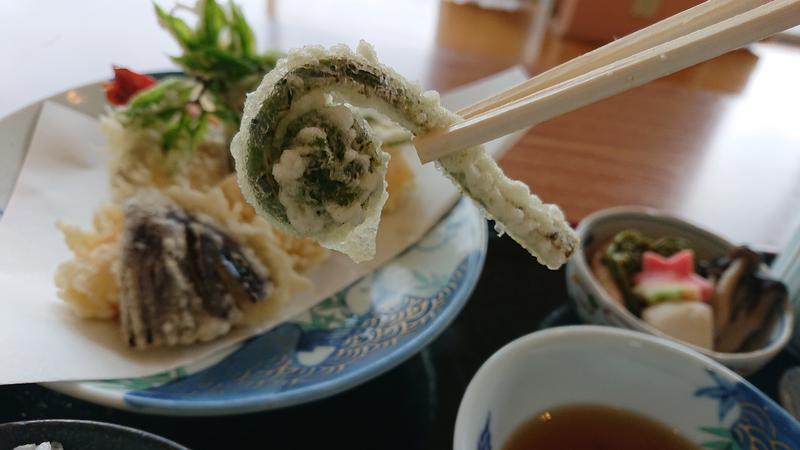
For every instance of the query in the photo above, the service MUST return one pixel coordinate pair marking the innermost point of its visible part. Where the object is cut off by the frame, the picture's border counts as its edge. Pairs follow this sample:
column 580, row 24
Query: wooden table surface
column 718, row 143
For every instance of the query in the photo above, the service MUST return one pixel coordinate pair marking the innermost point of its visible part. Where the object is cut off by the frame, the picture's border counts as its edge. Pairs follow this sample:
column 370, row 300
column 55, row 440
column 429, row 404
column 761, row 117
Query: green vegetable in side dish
column 623, row 258
column 668, row 246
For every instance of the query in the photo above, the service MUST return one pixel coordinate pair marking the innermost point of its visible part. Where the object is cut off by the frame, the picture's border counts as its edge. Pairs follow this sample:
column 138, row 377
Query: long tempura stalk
column 308, row 162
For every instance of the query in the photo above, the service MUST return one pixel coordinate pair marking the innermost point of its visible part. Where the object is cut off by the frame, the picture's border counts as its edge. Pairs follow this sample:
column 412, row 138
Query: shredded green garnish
column 221, row 64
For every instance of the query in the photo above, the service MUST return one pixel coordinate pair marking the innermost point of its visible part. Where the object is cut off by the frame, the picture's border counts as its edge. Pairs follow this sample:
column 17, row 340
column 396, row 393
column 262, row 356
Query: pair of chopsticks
column 693, row 36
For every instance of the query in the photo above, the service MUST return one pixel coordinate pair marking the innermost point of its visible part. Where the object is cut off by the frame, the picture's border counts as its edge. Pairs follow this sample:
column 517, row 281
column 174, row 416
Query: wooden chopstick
column 680, row 24
column 612, row 78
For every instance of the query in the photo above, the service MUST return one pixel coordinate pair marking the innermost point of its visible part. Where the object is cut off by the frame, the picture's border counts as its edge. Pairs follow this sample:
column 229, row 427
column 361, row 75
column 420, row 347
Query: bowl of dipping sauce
column 565, row 387
column 740, row 322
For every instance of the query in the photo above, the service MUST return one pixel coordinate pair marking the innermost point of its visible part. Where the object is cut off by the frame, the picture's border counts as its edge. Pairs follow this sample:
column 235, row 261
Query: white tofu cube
column 689, row 321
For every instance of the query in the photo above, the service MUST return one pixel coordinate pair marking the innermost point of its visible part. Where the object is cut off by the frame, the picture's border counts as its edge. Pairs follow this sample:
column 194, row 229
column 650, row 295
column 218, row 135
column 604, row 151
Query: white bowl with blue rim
column 699, row 398
column 595, row 305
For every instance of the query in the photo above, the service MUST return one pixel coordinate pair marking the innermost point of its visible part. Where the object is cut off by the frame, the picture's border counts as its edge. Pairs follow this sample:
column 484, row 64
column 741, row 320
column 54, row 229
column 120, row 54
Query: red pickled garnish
column 677, row 269
column 681, row 263
column 126, row 83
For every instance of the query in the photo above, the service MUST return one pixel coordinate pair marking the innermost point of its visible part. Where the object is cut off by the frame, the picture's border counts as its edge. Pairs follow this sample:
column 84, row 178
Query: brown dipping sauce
column 594, row 427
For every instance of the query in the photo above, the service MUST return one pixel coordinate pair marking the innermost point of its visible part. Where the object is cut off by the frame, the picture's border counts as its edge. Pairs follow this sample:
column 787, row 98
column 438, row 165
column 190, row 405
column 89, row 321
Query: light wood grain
column 727, row 160
column 614, row 68
column 693, row 19
column 717, row 143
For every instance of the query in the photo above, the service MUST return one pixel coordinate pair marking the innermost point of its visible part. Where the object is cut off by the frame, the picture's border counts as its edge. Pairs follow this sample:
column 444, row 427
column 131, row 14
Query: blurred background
column 718, row 143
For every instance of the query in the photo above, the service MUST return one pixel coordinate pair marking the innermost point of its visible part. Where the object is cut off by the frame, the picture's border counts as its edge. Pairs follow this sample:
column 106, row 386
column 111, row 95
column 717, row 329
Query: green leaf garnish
column 176, row 27
column 222, row 64
column 243, row 34
column 212, row 22
column 221, row 49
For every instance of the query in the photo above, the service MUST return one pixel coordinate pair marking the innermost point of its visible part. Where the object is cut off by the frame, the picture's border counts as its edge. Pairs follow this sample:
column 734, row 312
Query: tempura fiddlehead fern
column 309, row 163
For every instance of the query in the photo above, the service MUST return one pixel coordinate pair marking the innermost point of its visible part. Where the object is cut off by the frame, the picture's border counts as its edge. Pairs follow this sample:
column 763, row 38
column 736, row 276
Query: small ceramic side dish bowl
column 82, row 435
column 700, row 399
column 595, row 305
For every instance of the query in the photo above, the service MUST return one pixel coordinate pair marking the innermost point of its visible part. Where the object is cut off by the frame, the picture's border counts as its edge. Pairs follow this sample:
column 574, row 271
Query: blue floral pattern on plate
column 357, row 334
